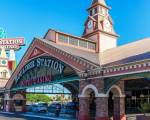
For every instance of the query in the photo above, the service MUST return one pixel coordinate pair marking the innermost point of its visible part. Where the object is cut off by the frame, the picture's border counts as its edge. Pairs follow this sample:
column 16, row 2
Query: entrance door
column 111, row 105
column 92, row 106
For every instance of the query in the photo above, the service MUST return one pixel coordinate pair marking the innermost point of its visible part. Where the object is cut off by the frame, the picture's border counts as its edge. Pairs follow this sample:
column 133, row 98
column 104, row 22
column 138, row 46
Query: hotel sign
column 11, row 43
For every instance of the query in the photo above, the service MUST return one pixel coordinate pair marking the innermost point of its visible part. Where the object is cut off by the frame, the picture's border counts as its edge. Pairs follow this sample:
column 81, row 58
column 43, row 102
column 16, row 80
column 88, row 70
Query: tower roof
column 3, row 53
column 99, row 1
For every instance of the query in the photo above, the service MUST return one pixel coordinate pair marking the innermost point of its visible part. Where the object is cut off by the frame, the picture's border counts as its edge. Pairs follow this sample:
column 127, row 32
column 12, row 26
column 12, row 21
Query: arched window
column 4, row 73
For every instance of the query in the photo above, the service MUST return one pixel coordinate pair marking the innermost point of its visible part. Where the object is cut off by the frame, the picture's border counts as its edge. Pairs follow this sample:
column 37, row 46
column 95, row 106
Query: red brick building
column 109, row 80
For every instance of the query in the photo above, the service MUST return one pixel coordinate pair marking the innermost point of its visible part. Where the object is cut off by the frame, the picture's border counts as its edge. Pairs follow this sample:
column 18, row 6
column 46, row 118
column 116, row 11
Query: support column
column 83, row 108
column 102, row 108
column 8, row 103
column 119, row 108
column 24, row 101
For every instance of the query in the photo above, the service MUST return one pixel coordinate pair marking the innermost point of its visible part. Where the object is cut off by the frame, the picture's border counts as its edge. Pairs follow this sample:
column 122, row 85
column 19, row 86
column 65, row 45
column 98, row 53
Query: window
column 4, row 74
column 95, row 10
column 91, row 46
column 83, row 44
column 91, row 13
column 73, row 41
column 63, row 38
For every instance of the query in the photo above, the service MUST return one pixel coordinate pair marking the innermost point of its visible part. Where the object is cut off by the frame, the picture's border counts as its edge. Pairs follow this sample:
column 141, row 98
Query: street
column 18, row 117
column 11, row 116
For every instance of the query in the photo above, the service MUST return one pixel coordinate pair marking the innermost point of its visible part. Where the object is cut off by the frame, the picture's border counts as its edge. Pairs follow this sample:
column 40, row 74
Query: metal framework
column 49, row 89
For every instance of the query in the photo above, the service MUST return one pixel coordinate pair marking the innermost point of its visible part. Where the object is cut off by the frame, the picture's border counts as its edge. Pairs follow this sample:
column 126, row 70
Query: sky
column 32, row 18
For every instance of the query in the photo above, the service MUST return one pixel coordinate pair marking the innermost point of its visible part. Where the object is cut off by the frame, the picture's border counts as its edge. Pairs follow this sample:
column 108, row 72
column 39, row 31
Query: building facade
column 109, row 80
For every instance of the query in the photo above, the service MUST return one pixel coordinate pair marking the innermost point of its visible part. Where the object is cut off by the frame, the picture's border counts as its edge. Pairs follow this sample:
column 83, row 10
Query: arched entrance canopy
column 39, row 49
column 44, row 70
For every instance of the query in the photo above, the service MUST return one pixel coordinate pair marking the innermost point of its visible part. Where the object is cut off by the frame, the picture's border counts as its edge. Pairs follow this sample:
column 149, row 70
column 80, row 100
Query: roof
column 127, row 53
column 131, row 52
column 87, row 55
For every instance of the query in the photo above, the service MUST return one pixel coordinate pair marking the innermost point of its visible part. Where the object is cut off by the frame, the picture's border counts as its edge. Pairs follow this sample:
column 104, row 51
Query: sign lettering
column 39, row 80
column 41, row 62
column 11, row 43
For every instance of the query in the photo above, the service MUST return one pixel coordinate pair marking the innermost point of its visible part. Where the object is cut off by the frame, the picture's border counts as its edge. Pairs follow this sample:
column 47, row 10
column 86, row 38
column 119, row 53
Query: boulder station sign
column 53, row 65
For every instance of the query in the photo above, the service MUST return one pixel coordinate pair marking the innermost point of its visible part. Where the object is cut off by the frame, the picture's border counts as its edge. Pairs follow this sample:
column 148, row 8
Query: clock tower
column 99, row 26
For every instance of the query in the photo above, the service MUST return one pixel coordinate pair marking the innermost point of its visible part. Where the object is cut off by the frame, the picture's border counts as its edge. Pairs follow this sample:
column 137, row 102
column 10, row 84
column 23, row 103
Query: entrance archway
column 19, row 101
column 42, row 71
column 88, row 102
column 116, row 103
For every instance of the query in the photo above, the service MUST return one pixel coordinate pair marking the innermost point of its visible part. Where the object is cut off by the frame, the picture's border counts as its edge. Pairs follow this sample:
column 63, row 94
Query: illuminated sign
column 11, row 43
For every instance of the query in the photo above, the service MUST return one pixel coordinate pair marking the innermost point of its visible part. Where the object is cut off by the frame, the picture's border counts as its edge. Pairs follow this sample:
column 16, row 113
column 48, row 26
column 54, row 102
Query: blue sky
column 32, row 18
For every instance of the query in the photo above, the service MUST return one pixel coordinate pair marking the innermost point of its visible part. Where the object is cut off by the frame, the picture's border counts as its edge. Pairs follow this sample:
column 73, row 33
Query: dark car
column 53, row 106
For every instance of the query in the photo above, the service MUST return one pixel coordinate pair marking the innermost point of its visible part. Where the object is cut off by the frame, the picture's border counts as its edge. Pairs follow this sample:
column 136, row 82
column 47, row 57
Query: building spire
column 99, row 1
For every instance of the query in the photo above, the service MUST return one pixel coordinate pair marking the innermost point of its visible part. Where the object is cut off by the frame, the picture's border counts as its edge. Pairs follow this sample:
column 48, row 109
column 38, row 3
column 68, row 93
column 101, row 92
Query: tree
column 37, row 98
column 58, row 98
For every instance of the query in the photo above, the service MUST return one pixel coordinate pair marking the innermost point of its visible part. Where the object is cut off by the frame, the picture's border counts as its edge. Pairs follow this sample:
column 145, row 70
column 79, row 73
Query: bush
column 144, row 108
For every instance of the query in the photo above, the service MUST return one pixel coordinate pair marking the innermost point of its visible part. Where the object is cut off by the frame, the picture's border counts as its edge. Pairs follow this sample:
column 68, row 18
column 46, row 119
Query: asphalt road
column 18, row 117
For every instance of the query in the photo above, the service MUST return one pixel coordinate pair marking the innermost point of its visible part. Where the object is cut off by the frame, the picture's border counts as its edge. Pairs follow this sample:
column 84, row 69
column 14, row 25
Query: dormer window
column 103, row 11
column 91, row 13
column 95, row 10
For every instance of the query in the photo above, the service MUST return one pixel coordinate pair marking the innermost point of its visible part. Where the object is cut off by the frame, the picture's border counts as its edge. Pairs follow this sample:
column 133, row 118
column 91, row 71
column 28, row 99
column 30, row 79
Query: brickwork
column 119, row 108
column 102, row 108
column 121, row 85
column 84, row 108
column 98, row 83
column 102, row 101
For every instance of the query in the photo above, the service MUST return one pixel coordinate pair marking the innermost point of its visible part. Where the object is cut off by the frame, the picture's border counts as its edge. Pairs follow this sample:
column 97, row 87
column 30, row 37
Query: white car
column 39, row 108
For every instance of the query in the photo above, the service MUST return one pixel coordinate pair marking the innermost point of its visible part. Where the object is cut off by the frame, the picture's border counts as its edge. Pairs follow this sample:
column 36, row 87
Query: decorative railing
column 83, row 43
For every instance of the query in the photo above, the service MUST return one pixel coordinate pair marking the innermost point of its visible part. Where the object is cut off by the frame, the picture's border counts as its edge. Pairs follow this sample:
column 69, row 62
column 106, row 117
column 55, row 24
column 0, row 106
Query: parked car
column 52, row 107
column 39, row 108
column 43, row 104
column 70, row 105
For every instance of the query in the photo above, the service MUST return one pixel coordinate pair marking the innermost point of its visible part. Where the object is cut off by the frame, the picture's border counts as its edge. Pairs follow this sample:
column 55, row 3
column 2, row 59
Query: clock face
column 90, row 24
column 107, row 26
